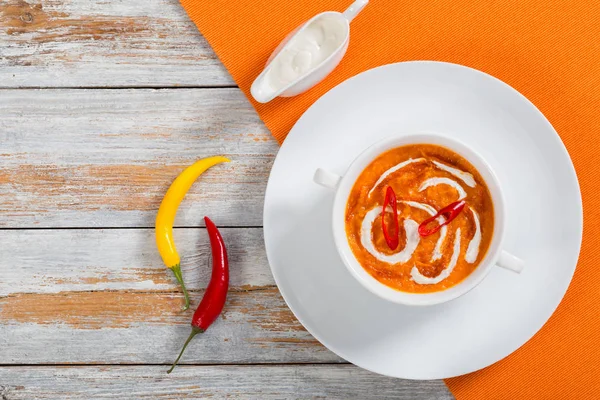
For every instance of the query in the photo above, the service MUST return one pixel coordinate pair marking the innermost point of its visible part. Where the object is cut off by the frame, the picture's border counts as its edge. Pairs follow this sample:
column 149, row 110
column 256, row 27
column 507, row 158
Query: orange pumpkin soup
column 425, row 179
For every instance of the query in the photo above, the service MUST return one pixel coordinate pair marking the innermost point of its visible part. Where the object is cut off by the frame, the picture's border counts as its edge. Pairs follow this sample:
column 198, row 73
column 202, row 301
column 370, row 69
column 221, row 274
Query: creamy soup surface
column 425, row 179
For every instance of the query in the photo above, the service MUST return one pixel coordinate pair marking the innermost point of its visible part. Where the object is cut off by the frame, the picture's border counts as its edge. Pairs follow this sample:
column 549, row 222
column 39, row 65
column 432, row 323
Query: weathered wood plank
column 103, row 296
column 74, row 260
column 81, row 43
column 231, row 382
column 104, row 158
column 149, row 328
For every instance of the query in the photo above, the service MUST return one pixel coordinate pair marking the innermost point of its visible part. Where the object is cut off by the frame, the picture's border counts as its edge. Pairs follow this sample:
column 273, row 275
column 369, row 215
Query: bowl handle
column 326, row 179
column 510, row 262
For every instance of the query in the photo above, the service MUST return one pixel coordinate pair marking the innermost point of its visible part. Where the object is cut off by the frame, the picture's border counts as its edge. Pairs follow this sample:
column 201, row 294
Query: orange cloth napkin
column 549, row 50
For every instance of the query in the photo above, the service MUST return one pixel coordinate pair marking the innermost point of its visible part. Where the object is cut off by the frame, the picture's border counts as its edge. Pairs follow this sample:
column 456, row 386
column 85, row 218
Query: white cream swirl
column 424, row 280
column 394, row 169
column 444, row 181
column 437, row 251
column 473, row 249
column 412, row 239
column 463, row 176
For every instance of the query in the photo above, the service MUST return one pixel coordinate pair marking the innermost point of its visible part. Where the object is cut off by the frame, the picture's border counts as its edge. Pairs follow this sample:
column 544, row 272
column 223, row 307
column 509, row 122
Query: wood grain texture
column 119, row 43
column 79, row 260
column 149, row 328
column 105, row 158
column 214, row 382
column 104, row 296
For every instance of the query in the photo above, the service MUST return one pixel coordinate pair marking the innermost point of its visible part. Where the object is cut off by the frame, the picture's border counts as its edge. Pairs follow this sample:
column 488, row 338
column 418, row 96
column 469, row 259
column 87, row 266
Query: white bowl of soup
column 392, row 229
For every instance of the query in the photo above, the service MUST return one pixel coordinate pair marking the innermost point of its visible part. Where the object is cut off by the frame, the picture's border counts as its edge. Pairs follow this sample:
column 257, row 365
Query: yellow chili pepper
column 167, row 211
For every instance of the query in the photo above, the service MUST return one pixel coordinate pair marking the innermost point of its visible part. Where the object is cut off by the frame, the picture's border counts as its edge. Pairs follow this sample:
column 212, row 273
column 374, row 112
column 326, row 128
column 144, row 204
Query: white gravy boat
column 307, row 55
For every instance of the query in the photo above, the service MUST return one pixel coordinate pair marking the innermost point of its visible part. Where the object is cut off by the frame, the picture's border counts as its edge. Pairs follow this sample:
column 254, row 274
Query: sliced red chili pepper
column 448, row 213
column 391, row 238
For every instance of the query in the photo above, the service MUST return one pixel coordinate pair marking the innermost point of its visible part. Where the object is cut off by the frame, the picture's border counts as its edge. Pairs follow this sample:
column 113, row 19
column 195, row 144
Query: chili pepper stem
column 177, row 272
column 195, row 331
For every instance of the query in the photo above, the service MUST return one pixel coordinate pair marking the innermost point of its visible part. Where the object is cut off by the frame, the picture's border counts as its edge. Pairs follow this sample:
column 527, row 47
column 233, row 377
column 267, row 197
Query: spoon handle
column 354, row 9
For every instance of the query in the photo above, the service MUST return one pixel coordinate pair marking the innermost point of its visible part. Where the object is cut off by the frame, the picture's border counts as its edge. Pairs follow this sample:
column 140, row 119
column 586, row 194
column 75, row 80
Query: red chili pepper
column 216, row 293
column 391, row 239
column 449, row 212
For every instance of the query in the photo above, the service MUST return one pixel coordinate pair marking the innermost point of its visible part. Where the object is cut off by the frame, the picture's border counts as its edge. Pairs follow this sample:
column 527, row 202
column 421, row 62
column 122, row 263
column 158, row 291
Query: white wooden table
column 102, row 103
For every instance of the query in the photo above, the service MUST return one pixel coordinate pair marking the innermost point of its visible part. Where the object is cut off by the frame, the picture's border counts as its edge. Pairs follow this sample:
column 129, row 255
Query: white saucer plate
column 544, row 220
